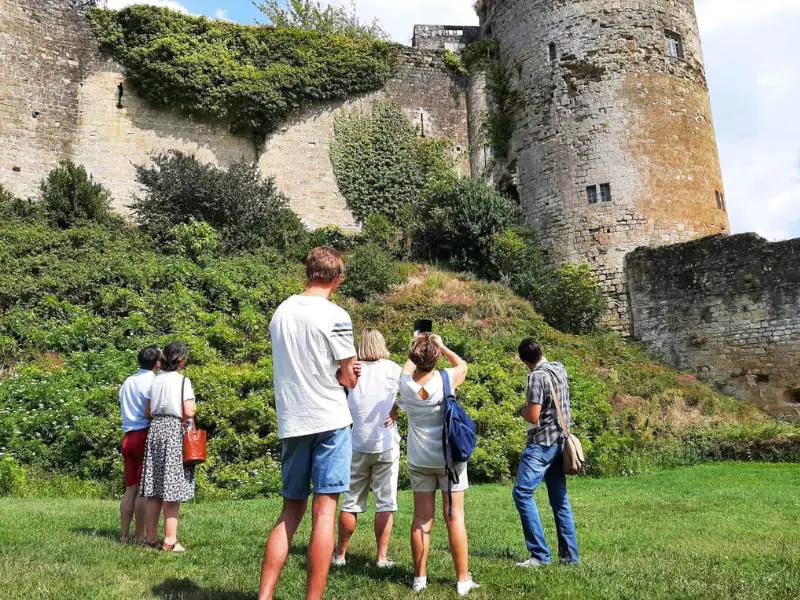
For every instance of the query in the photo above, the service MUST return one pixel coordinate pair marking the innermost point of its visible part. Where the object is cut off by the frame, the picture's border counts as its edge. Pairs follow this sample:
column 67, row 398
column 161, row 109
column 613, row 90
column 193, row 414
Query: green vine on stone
column 251, row 77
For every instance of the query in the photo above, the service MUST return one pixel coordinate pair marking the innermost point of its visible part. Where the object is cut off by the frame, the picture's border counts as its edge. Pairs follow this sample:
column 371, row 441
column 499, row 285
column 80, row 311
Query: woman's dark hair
column 173, row 354
column 149, row 357
column 530, row 351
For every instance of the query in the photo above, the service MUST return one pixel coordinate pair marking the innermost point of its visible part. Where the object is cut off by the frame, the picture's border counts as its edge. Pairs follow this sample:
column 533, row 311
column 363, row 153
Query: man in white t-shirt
column 314, row 357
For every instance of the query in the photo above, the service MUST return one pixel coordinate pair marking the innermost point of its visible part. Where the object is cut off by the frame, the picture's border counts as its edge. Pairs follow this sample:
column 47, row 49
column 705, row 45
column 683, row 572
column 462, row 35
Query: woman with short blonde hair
column 376, row 448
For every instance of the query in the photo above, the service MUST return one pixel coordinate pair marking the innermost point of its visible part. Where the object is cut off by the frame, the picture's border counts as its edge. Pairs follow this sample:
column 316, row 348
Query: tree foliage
column 311, row 15
column 572, row 300
column 371, row 272
column 178, row 188
column 248, row 76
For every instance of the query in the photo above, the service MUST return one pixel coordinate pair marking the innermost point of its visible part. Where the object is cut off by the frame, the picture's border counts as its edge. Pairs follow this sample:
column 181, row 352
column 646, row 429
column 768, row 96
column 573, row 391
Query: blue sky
column 751, row 54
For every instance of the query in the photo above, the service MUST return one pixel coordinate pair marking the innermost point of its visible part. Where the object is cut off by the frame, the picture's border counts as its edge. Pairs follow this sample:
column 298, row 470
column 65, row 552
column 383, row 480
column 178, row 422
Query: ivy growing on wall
column 380, row 163
column 249, row 76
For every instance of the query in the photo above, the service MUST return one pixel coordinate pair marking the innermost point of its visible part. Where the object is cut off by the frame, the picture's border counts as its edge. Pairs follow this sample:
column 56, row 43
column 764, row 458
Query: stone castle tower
column 614, row 145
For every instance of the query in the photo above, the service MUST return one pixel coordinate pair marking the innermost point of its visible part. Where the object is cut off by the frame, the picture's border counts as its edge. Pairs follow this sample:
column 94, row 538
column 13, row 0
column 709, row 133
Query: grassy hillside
column 710, row 532
column 76, row 305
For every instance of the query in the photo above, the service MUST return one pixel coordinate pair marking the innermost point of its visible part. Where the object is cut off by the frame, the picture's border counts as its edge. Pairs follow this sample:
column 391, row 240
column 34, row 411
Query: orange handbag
column 195, row 441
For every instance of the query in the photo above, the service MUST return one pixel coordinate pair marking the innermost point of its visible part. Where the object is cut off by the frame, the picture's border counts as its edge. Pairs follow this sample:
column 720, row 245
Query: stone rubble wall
column 51, row 68
column 727, row 309
column 613, row 107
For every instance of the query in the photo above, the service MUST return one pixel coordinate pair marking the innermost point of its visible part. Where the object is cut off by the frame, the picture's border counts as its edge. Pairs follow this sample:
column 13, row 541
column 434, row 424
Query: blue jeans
column 320, row 461
column 545, row 463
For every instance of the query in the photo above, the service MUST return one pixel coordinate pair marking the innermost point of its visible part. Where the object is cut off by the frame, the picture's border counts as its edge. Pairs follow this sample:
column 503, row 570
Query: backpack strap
column 448, row 388
column 452, row 476
column 557, row 405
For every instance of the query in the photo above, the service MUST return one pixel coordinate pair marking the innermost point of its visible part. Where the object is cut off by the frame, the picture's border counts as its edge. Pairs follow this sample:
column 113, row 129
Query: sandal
column 175, row 548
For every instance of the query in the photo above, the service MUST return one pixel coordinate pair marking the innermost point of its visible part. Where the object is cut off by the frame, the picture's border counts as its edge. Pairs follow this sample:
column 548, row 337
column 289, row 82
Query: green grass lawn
column 717, row 531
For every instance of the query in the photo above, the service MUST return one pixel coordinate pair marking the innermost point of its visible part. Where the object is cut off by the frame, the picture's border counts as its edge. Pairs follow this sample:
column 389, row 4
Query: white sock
column 420, row 583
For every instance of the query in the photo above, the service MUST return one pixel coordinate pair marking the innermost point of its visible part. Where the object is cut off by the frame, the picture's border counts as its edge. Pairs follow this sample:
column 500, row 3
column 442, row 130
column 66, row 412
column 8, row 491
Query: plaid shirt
column 548, row 431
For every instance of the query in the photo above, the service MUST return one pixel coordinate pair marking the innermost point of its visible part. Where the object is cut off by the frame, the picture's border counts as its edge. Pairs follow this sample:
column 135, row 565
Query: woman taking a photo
column 376, row 448
column 421, row 398
column 166, row 481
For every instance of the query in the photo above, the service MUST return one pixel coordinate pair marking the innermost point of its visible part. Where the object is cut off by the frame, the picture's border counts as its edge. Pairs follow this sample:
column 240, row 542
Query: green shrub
column 380, row 163
column 13, row 481
column 237, row 202
column 196, row 240
column 70, row 196
column 518, row 260
column 461, row 221
column 312, row 16
column 12, row 207
column 249, row 76
column 379, row 230
column 454, row 62
column 333, row 237
column 370, row 272
column 571, row 301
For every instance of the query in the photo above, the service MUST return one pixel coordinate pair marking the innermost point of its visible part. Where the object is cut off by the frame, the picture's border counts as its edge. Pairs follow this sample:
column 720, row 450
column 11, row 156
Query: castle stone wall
column 606, row 104
column 727, row 309
column 51, row 66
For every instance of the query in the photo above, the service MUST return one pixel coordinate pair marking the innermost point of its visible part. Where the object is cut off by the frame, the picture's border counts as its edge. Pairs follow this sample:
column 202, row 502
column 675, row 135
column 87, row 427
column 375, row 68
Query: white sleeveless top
column 370, row 403
column 425, row 420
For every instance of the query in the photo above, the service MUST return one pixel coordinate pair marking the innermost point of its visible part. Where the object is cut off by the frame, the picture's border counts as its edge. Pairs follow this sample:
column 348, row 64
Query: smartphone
column 423, row 326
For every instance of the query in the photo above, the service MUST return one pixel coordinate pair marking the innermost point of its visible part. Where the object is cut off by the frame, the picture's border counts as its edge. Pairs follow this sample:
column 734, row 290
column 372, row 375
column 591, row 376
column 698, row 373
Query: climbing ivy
column 251, row 77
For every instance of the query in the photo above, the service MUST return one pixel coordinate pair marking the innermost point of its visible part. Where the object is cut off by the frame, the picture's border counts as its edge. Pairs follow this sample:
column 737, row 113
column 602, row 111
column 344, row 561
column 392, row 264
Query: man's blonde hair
column 425, row 352
column 372, row 346
column 324, row 265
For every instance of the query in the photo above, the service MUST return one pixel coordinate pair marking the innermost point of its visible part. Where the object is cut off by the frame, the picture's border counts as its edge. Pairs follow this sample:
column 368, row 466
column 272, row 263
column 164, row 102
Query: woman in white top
column 166, row 481
column 376, row 447
column 421, row 397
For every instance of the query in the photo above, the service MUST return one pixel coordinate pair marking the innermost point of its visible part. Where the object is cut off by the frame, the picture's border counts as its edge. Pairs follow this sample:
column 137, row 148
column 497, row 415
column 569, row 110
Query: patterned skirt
column 164, row 475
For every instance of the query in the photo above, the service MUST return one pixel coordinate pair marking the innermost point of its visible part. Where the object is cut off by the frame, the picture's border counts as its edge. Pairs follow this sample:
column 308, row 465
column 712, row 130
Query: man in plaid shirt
column 542, row 458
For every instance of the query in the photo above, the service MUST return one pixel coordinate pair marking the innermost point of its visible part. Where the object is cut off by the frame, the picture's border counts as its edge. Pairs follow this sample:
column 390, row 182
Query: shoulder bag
column 572, row 451
column 195, row 441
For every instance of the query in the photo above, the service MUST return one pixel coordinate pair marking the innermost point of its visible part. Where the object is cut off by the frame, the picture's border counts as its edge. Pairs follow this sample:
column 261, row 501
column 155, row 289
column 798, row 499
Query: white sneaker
column 338, row 561
column 531, row 563
column 387, row 563
column 420, row 583
column 465, row 587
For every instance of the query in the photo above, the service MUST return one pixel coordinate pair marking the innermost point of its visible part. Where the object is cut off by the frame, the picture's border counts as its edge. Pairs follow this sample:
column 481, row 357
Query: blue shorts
column 319, row 460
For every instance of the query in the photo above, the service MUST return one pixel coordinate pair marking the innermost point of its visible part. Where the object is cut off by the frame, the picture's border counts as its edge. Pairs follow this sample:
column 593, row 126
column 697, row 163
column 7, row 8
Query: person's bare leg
column 457, row 534
column 424, row 508
column 152, row 515
column 323, row 536
column 278, row 544
column 126, row 510
column 383, row 533
column 172, row 512
column 347, row 527
column 140, row 510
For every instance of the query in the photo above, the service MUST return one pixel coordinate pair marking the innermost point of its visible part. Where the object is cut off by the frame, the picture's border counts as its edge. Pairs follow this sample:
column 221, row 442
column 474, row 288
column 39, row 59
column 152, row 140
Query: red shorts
column 132, row 451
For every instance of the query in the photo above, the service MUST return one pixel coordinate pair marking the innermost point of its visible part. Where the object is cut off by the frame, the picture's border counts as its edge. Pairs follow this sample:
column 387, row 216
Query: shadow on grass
column 186, row 589
column 108, row 533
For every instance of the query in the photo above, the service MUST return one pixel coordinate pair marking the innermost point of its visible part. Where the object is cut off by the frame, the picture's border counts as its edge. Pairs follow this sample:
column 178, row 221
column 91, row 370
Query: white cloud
column 117, row 4
column 717, row 14
column 221, row 15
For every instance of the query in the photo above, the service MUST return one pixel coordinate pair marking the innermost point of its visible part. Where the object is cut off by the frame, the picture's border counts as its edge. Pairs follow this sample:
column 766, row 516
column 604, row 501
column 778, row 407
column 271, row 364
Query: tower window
column 675, row 45
column 720, row 200
column 605, row 192
column 553, row 52
column 591, row 192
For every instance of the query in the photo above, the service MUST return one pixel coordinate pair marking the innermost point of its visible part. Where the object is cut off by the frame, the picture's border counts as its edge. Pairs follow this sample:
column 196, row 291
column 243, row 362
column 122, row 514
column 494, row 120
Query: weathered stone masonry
column 603, row 102
column 58, row 100
column 726, row 308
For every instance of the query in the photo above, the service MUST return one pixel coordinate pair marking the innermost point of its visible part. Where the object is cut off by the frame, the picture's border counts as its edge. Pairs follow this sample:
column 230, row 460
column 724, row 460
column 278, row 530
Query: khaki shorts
column 376, row 472
column 426, row 479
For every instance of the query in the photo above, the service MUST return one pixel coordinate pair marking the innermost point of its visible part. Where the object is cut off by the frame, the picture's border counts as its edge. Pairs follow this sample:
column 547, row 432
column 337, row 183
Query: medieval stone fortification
column 614, row 149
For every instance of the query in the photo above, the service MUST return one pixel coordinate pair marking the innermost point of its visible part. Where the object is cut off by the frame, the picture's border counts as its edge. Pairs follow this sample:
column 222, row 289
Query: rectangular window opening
column 605, row 192
column 553, row 51
column 675, row 45
column 591, row 192
column 720, row 200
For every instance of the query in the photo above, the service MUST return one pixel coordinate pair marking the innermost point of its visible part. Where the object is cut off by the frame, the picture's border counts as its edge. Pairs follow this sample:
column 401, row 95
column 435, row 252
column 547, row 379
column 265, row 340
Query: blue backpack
column 459, row 437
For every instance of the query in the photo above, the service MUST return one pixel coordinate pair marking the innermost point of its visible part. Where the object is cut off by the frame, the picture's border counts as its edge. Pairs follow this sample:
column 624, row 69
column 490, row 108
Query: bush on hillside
column 196, row 240
column 518, row 260
column 571, row 300
column 461, row 221
column 379, row 230
column 14, row 208
column 311, row 15
column 70, row 196
column 381, row 164
column 333, row 237
column 237, row 202
column 371, row 272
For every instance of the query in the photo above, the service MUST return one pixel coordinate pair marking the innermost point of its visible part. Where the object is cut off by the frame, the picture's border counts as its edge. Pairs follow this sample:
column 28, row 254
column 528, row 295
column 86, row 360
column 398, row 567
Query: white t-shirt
column 370, row 403
column 133, row 397
column 425, row 420
column 309, row 336
column 165, row 394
